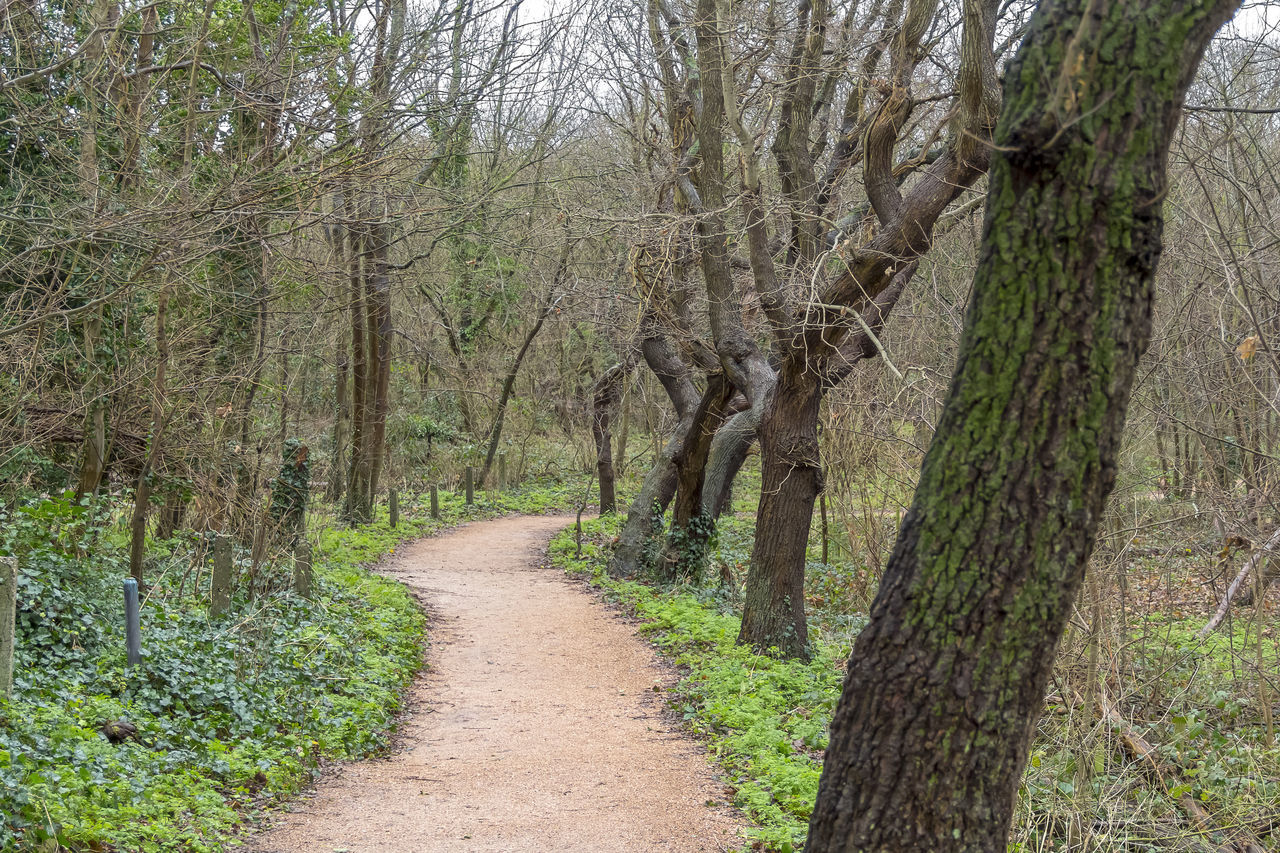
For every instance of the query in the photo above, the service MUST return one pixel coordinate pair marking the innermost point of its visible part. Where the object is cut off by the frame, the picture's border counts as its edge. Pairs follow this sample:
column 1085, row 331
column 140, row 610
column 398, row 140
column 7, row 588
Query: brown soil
column 538, row 726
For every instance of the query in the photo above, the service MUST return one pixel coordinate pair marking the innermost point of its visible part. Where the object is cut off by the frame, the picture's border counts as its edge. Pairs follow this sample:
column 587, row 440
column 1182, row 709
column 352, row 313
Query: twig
column 1239, row 583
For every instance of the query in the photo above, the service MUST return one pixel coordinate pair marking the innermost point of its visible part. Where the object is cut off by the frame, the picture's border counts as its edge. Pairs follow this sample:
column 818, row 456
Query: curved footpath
column 536, row 726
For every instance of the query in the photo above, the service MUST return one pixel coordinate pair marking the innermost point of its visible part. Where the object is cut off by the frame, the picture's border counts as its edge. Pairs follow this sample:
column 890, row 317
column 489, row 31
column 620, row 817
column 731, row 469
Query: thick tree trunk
column 691, row 461
column 371, row 345
column 791, row 477
column 728, row 452
column 644, row 514
column 773, row 612
column 691, row 526
column 945, row 684
column 872, row 270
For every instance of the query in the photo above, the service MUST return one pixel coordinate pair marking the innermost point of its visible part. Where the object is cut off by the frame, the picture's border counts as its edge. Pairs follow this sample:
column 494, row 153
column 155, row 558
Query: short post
column 132, row 630
column 221, row 575
column 302, row 569
column 8, row 618
column 470, row 485
column 502, row 471
column 393, row 507
column 435, row 503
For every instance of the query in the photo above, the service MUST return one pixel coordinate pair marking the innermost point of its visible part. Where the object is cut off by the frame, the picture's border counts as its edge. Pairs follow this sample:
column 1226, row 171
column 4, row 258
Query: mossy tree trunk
column 945, row 684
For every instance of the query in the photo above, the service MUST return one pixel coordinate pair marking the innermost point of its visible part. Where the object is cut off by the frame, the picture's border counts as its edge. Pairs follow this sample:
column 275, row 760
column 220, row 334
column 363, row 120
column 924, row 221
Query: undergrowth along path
column 536, row 727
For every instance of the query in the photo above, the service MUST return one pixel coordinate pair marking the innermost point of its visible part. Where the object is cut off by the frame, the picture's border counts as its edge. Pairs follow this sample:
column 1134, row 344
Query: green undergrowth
column 765, row 720
column 1197, row 703
column 233, row 712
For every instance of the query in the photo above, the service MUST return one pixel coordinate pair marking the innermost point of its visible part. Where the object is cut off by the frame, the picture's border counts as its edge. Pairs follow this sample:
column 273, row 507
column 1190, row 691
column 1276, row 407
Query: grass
column 234, row 712
column 765, row 721
column 1197, row 701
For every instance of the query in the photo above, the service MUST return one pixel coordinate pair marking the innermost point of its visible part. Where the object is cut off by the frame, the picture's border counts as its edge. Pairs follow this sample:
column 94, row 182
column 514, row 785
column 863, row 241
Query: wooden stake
column 221, row 575
column 435, row 503
column 8, row 619
column 302, row 569
column 393, row 507
column 470, row 485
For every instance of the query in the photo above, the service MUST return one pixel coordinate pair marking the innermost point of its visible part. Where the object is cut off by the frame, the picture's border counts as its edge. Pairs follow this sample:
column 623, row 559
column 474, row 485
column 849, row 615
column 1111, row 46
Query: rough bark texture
column 729, row 450
column 945, row 683
column 773, row 608
column 660, row 483
column 686, row 540
column 379, row 296
column 691, row 462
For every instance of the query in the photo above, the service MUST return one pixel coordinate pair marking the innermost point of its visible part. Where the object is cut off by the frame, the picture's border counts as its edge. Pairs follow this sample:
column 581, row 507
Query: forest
column 879, row 399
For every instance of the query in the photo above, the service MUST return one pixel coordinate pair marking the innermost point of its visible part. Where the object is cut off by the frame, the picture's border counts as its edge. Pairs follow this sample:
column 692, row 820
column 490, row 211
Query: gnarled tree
column 945, row 684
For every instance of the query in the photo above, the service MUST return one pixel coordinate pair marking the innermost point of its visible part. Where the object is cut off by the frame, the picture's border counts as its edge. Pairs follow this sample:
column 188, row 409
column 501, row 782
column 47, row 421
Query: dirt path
column 536, row 728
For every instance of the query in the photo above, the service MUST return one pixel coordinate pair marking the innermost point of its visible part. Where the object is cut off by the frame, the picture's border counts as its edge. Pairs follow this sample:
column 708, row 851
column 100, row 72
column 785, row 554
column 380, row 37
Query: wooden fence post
column 132, row 628
column 8, row 619
column 393, row 507
column 221, row 574
column 435, row 503
column 302, row 569
column 470, row 485
column 502, row 471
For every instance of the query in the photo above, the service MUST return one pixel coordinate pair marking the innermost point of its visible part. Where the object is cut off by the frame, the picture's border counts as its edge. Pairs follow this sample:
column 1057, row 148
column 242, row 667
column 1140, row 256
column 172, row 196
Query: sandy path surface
column 536, row 727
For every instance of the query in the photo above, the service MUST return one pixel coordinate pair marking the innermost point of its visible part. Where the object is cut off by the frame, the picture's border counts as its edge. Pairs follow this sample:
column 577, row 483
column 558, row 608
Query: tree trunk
column 378, row 289
column 142, row 495
column 886, row 261
column 944, row 685
column 357, row 508
column 791, row 477
column 728, row 452
column 608, row 390
column 791, row 467
column 93, row 462
column 660, row 483
column 690, row 528
column 620, row 451
column 509, row 383
column 341, row 423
